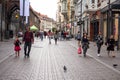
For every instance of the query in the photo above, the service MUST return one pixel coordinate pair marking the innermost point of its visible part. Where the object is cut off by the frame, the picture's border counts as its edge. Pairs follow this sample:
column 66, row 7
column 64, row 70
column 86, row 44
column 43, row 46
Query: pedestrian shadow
column 37, row 46
column 87, row 57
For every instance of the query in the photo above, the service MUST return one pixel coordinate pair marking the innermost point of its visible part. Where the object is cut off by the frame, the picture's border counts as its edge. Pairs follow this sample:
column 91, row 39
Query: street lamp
column 16, row 16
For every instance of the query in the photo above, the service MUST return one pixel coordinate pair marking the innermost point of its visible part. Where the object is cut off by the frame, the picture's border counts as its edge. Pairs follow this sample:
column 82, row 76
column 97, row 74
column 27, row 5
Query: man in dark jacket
column 28, row 39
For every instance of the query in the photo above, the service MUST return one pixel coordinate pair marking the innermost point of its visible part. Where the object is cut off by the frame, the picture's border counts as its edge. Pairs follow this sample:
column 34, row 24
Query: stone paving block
column 47, row 63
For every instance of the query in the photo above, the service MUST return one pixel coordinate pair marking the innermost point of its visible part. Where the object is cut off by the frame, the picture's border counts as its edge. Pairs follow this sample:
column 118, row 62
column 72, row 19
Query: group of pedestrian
column 40, row 34
column 28, row 40
column 50, row 35
column 65, row 35
column 83, row 44
column 110, row 43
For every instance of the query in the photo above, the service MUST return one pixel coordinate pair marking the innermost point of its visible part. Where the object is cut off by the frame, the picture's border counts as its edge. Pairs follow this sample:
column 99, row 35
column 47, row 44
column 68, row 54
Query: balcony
column 75, row 1
column 63, row 0
column 72, row 8
column 64, row 11
column 64, row 8
column 99, row 4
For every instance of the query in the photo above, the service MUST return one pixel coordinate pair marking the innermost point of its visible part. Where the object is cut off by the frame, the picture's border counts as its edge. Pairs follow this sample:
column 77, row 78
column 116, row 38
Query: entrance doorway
column 94, row 30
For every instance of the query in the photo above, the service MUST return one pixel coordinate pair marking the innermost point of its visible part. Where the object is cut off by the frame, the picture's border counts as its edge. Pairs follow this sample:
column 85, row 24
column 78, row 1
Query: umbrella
column 33, row 28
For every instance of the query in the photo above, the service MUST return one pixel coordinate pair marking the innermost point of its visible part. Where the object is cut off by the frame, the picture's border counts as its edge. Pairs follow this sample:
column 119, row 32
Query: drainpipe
column 109, row 21
column 118, row 47
column 81, row 20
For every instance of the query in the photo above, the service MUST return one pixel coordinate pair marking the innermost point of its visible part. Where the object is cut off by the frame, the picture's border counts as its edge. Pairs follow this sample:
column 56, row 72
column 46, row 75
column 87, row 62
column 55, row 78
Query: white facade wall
column 86, row 11
column 105, row 3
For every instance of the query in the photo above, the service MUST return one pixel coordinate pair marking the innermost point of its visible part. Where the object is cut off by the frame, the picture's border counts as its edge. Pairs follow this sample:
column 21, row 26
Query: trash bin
column 11, row 34
column 6, row 34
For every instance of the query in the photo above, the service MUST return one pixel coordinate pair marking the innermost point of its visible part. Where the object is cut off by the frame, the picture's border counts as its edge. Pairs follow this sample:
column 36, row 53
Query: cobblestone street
column 46, row 63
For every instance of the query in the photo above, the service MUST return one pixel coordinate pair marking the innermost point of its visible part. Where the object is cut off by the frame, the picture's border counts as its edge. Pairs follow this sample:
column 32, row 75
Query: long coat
column 110, row 44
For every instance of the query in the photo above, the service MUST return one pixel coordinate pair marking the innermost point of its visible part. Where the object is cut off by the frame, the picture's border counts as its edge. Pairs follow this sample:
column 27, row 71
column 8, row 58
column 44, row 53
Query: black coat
column 110, row 44
column 85, row 42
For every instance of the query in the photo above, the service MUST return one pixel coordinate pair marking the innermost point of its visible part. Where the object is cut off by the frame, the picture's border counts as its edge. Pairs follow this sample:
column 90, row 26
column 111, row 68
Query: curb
column 5, row 58
column 100, row 61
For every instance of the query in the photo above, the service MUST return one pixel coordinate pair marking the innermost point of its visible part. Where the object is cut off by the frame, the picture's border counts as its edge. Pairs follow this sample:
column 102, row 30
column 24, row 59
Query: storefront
column 94, row 25
column 111, row 21
column 2, row 19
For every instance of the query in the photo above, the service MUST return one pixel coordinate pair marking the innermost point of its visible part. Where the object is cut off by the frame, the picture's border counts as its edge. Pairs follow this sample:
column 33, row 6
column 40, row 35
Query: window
column 93, row 1
column 98, row 1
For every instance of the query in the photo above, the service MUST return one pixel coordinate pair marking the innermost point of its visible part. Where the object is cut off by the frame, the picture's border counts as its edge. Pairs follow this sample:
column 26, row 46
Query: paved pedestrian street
column 46, row 62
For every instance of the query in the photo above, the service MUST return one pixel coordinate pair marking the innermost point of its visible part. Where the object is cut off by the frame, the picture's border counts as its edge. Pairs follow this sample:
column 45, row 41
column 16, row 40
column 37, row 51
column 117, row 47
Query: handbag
column 79, row 50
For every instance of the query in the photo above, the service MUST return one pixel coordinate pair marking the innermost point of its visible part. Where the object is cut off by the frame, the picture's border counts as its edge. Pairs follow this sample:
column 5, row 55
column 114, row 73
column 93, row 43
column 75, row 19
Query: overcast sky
column 47, row 7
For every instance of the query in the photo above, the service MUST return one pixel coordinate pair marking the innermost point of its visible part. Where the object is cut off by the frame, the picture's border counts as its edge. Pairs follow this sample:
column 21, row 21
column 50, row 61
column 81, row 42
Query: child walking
column 17, row 46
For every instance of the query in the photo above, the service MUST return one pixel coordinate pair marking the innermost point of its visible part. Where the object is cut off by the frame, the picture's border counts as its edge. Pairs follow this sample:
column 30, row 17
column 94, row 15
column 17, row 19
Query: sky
column 46, row 7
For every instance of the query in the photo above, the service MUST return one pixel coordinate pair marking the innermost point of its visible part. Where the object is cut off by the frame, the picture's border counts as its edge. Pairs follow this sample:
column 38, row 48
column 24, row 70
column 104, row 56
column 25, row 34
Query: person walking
column 41, row 35
column 28, row 39
column 49, row 36
column 110, row 46
column 99, row 43
column 78, row 37
column 56, row 37
column 85, row 44
column 45, row 34
column 17, row 46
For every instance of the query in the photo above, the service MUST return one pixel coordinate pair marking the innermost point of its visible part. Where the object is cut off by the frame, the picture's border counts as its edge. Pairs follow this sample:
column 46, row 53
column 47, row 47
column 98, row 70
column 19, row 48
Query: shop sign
column 116, row 10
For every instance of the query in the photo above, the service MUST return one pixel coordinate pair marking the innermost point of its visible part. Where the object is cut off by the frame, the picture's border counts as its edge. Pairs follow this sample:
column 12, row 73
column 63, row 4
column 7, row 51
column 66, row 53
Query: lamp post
column 71, row 21
column 1, row 21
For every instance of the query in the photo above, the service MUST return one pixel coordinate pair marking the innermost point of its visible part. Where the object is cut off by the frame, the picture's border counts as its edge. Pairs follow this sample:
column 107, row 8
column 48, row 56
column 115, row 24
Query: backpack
column 99, row 39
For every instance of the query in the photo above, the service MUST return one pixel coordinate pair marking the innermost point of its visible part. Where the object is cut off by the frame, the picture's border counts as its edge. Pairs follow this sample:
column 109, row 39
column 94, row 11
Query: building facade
column 66, row 17
column 10, row 20
column 34, row 18
column 110, row 11
column 47, row 23
column 94, row 16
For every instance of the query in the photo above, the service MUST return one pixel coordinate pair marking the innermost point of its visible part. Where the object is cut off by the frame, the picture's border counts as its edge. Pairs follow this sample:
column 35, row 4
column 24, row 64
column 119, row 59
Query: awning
column 33, row 28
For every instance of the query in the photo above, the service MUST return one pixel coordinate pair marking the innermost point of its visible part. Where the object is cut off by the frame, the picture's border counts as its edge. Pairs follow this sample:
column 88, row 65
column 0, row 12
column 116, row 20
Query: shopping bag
column 79, row 50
